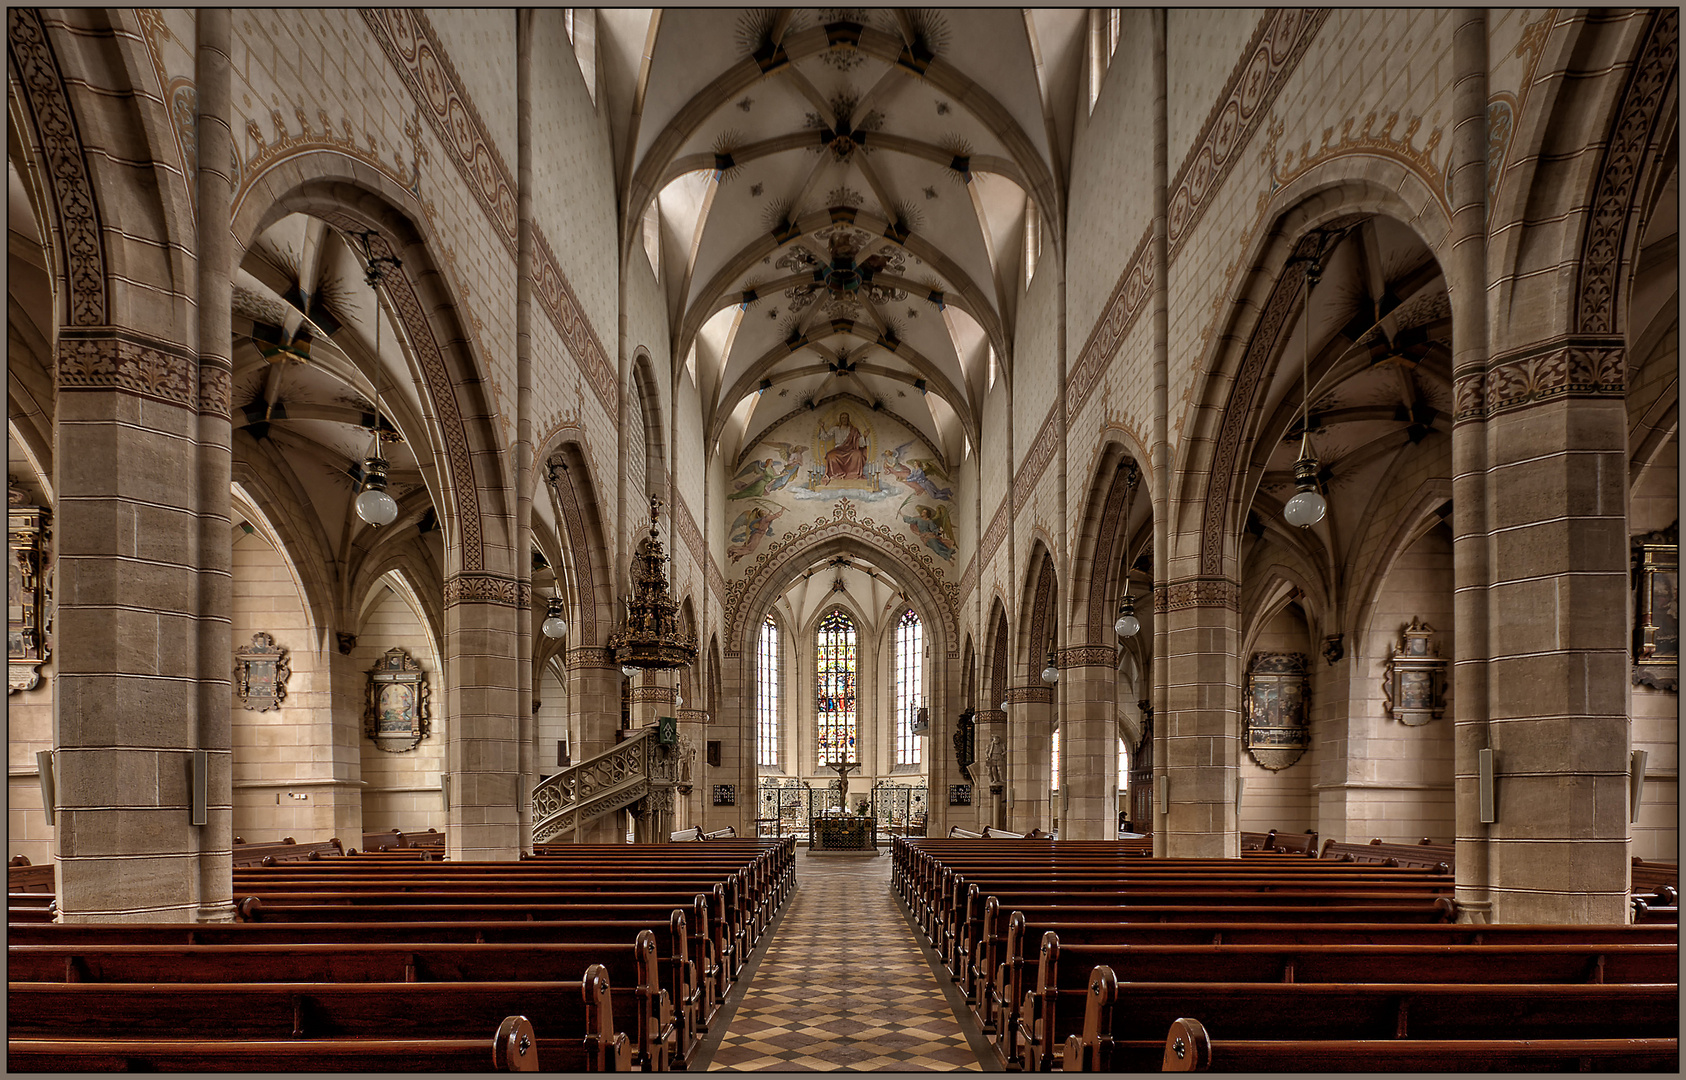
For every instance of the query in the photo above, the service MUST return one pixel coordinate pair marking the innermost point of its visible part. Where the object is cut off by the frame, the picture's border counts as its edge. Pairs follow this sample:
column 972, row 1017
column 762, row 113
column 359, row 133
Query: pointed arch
column 476, row 490
column 1308, row 217
column 568, row 476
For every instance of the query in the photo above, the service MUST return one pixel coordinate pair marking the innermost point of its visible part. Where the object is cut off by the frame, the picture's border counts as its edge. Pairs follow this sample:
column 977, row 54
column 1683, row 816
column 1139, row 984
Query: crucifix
column 844, row 768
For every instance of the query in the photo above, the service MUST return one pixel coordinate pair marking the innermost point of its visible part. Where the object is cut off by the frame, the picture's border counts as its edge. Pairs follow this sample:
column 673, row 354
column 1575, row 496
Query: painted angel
column 916, row 473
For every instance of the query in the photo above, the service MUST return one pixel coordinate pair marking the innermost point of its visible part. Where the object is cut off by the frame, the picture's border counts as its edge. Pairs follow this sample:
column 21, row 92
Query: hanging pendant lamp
column 1308, row 506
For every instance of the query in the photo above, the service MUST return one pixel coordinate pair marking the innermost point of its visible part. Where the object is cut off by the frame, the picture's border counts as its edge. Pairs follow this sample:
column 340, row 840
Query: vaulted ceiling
column 842, row 198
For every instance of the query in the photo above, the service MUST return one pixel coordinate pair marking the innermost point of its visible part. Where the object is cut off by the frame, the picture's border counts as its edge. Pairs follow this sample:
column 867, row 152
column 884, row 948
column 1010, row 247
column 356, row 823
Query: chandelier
column 651, row 636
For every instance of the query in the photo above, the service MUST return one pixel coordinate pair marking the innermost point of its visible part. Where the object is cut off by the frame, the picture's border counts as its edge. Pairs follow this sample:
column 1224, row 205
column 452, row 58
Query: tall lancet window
column 835, row 676
column 910, row 685
column 767, row 696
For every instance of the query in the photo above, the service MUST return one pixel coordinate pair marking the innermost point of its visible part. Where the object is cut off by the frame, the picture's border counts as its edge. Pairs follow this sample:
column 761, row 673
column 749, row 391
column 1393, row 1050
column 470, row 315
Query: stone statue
column 687, row 758
column 996, row 760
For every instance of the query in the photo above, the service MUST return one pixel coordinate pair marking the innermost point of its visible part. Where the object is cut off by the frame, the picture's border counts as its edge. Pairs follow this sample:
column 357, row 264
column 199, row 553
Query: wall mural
column 852, row 452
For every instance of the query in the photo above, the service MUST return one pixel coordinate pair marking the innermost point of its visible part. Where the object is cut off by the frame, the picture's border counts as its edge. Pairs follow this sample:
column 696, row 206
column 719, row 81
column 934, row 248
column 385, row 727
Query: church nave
column 842, row 984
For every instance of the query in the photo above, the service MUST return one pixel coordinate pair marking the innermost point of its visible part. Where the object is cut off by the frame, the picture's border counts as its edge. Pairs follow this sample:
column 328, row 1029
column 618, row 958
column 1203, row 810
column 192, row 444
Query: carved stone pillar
column 1198, row 738
column 1089, row 756
column 1030, row 745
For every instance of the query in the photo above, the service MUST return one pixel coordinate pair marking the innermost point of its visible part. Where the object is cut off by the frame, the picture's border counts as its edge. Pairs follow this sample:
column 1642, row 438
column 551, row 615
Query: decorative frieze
column 1197, row 593
column 487, row 589
column 1079, row 656
column 1545, row 371
column 111, row 359
column 1619, row 174
column 1037, row 694
column 591, row 656
column 67, row 169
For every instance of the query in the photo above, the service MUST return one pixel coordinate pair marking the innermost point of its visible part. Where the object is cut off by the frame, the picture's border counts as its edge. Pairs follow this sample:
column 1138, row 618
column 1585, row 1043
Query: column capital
column 1197, row 592
column 483, row 588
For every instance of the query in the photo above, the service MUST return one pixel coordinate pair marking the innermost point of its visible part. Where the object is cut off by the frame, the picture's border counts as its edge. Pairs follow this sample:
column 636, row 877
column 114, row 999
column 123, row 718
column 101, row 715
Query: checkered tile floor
column 844, row 985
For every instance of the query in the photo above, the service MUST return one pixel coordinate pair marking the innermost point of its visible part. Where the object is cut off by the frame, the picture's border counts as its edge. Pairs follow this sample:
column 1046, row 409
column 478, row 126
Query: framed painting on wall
column 1656, row 609
column 1276, row 719
column 397, row 715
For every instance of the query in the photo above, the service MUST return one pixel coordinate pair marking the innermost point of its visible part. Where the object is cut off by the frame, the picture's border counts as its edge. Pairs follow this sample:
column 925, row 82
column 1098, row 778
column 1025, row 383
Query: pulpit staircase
column 637, row 769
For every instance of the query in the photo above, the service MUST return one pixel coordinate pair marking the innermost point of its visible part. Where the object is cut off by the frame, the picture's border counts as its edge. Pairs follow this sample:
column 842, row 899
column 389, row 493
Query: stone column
column 485, row 614
column 215, row 603
column 990, row 796
column 527, row 766
column 138, row 677
column 1160, row 459
column 1470, row 540
column 594, row 700
column 1199, row 734
column 1089, row 756
column 693, row 734
column 1030, row 747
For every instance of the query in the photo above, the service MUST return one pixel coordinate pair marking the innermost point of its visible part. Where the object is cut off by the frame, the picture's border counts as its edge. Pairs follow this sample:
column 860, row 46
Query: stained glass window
column 1054, row 762
column 767, row 695
column 910, row 685
column 835, row 676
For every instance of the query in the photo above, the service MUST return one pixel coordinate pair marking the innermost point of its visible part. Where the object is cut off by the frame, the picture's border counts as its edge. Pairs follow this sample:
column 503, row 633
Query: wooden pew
column 580, row 1032
column 1424, row 854
column 1647, row 877
column 1118, row 1029
column 284, row 851
column 1063, row 973
column 512, row 1049
column 1007, row 976
column 707, row 933
column 716, row 919
column 956, row 920
column 1189, row 1048
column 24, row 878
column 639, row 989
column 691, row 988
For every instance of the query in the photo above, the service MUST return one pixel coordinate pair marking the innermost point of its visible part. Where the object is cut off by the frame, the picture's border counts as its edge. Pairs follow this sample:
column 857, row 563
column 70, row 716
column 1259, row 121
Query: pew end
column 515, row 1048
column 1187, row 1048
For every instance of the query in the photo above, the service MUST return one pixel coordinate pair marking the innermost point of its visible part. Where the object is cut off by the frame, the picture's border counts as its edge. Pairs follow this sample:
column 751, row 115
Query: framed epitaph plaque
column 1656, row 609
column 1277, row 721
column 1414, row 688
column 725, row 795
column 260, row 674
column 397, row 716
column 26, row 593
column 960, row 795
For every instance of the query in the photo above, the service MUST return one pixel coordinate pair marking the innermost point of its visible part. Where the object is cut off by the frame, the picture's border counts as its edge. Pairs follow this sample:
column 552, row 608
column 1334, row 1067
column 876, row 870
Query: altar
column 843, row 832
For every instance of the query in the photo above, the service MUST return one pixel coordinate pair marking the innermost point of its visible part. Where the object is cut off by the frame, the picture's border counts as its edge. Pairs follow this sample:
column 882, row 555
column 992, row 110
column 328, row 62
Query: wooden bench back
column 1189, row 1048
column 580, row 1025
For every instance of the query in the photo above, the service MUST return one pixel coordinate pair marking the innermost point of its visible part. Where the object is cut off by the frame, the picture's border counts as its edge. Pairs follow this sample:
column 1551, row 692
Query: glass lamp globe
column 678, row 701
column 373, row 504
column 1050, row 674
column 1305, row 509
column 1003, row 705
column 1127, row 626
column 629, row 671
column 377, row 507
column 554, row 626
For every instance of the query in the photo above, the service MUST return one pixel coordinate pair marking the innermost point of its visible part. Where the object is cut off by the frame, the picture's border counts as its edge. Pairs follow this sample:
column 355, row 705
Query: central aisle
column 844, row 984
